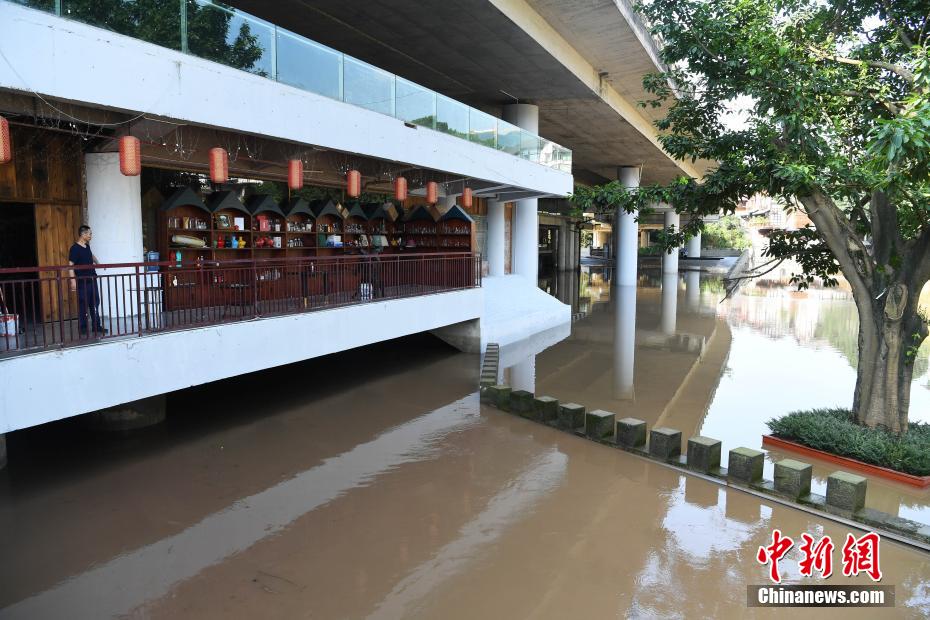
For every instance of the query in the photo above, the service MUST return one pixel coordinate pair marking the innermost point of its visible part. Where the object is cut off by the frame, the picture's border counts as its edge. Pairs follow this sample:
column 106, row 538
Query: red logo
column 861, row 556
column 774, row 552
column 817, row 557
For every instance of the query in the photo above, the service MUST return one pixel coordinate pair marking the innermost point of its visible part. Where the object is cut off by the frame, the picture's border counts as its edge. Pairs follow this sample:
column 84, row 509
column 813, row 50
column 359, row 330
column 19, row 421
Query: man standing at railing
column 85, row 283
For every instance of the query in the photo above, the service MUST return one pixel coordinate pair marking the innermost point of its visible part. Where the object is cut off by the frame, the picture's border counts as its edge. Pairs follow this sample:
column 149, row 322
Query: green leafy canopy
column 835, row 96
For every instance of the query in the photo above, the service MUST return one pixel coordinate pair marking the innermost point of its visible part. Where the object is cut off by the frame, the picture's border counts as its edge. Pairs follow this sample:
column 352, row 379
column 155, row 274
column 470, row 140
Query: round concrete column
column 627, row 232
column 495, row 238
column 624, row 341
column 669, row 317
column 670, row 260
column 526, row 214
column 694, row 246
column 693, row 290
column 114, row 213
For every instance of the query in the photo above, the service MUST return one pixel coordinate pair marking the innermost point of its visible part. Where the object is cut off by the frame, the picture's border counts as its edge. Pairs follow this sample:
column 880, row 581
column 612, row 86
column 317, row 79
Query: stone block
column 631, row 433
column 665, row 443
column 745, row 465
column 521, row 402
column 501, row 397
column 571, row 416
column 545, row 409
column 846, row 491
column 487, row 394
column 599, row 424
column 704, row 454
column 792, row 478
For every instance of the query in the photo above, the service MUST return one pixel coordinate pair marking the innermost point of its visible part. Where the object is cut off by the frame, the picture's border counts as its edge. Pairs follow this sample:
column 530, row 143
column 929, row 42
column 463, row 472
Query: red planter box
column 879, row 472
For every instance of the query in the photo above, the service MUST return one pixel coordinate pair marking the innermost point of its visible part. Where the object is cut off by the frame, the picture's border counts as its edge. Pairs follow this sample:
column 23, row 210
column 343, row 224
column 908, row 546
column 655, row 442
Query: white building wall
column 72, row 61
column 109, row 373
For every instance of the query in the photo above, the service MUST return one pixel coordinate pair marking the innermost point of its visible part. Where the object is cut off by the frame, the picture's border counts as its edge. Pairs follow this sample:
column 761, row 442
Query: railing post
column 61, row 323
column 255, row 310
column 141, row 306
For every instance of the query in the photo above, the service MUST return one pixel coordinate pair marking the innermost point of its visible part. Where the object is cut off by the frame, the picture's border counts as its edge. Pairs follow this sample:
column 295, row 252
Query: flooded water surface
column 372, row 484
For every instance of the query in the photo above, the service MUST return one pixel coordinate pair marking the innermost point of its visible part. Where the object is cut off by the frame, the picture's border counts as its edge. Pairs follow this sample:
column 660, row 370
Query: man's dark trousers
column 88, row 300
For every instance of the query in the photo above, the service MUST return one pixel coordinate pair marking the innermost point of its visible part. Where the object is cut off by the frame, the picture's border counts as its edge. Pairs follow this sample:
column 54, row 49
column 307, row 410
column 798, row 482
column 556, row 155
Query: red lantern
column 219, row 165
column 295, row 174
column 130, row 156
column 353, row 183
column 400, row 189
column 6, row 150
column 467, row 198
column 432, row 192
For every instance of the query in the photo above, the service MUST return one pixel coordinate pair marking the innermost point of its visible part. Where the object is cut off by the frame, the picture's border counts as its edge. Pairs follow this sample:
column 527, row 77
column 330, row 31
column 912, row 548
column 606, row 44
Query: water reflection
column 624, row 341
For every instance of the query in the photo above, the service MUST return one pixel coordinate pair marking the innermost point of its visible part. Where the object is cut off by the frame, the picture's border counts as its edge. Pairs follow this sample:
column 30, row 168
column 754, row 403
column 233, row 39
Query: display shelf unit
column 183, row 220
column 330, row 218
column 382, row 225
column 356, row 235
column 420, row 229
column 269, row 227
column 232, row 226
column 300, row 233
column 455, row 230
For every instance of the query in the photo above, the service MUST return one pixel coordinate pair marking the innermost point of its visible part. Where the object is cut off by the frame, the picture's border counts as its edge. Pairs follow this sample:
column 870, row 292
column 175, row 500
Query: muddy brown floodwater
column 372, row 484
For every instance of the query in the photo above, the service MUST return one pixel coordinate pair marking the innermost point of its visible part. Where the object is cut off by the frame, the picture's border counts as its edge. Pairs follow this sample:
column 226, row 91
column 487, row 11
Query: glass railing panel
column 415, row 104
column 158, row 22
column 451, row 117
column 482, row 128
column 221, row 34
column 308, row 65
column 367, row 86
column 529, row 146
column 230, row 37
column 508, row 137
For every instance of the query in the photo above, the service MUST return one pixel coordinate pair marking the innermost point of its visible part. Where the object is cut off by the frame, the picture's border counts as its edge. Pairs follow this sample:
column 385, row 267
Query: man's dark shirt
column 81, row 255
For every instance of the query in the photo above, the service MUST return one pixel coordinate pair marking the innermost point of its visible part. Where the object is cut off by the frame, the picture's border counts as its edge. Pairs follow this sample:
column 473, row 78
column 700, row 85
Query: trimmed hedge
column 836, row 431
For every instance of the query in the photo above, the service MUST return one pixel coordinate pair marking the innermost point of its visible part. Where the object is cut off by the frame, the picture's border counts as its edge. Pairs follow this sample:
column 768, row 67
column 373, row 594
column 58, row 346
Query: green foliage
column 836, row 431
column 724, row 234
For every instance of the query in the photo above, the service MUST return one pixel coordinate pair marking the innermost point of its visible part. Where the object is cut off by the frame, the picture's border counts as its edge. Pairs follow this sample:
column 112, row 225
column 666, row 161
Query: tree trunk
column 885, row 369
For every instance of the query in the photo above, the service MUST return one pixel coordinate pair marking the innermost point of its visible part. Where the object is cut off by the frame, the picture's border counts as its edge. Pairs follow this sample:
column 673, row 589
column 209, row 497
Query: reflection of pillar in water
column 669, row 302
column 693, row 290
column 523, row 375
column 624, row 341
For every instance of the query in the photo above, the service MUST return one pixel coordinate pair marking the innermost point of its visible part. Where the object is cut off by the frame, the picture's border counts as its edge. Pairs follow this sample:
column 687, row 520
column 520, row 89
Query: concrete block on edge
column 846, row 491
column 599, row 424
column 704, row 454
column 793, row 478
column 745, row 465
column 665, row 443
column 631, row 433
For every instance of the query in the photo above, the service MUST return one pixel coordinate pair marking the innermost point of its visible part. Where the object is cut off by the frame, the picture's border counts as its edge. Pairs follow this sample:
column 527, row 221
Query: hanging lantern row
column 353, row 183
column 130, row 156
column 6, row 150
column 467, row 198
column 219, row 165
column 400, row 189
column 432, row 192
column 295, row 174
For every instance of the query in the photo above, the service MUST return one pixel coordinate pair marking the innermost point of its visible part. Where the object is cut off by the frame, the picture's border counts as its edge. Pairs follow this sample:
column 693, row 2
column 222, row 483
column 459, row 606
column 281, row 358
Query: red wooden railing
column 40, row 306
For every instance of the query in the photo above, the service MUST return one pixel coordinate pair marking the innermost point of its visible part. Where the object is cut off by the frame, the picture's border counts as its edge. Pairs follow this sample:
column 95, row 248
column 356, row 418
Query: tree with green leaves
column 835, row 97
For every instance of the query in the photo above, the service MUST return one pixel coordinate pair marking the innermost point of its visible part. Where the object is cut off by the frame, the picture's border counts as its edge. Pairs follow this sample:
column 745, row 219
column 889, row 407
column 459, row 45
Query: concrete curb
column 744, row 472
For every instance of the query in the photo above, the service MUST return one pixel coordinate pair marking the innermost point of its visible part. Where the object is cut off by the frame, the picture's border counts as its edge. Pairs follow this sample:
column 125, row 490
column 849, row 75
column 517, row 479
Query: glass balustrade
column 234, row 38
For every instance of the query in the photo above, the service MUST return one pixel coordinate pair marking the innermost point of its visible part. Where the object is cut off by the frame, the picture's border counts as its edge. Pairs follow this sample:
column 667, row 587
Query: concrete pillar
column 626, row 230
column 694, row 246
column 130, row 416
column 624, row 341
column 2, row 451
column 496, row 245
column 669, row 315
column 523, row 375
column 563, row 247
column 670, row 260
column 114, row 213
column 526, row 212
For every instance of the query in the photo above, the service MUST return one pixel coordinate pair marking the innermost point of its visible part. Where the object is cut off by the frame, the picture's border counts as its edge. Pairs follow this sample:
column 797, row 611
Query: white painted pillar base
column 694, row 246
column 523, row 375
column 114, row 213
column 624, row 341
column 496, row 245
column 670, row 260
column 669, row 316
column 627, row 233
